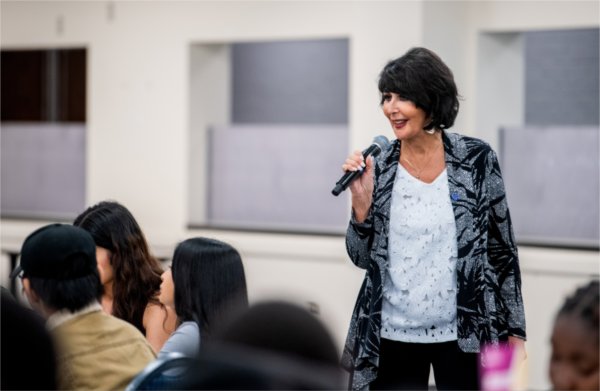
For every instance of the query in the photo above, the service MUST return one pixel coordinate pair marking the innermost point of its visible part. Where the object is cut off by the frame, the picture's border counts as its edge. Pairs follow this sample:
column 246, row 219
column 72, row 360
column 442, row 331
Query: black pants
column 405, row 366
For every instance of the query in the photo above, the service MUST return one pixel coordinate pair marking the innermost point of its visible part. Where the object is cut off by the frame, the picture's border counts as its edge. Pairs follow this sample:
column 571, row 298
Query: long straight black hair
column 209, row 282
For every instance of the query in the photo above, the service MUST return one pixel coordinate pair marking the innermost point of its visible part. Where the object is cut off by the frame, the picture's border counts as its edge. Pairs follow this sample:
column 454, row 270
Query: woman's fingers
column 354, row 162
column 364, row 184
column 370, row 162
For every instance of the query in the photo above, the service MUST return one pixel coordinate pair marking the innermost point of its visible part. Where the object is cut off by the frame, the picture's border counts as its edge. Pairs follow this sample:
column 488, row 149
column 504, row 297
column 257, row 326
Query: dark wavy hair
column 421, row 76
column 136, row 272
column 209, row 282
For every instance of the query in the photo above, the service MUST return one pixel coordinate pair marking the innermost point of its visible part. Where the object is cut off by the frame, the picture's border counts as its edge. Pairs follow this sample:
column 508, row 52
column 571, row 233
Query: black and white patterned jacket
column 489, row 302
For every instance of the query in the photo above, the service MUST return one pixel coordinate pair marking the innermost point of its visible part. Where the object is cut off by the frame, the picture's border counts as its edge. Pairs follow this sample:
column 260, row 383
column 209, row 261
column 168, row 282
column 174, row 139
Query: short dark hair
column 422, row 77
column 209, row 282
column 71, row 294
column 282, row 327
column 584, row 303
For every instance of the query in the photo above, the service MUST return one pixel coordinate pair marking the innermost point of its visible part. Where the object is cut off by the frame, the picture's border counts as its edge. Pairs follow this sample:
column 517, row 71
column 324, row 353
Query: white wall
column 140, row 120
column 500, row 83
column 209, row 97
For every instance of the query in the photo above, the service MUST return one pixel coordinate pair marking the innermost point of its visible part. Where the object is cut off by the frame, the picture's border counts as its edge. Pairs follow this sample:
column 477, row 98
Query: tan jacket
column 99, row 352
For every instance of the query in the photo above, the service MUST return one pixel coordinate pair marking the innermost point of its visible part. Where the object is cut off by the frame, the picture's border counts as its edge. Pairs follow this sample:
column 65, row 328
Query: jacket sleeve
column 360, row 236
column 359, row 240
column 502, row 249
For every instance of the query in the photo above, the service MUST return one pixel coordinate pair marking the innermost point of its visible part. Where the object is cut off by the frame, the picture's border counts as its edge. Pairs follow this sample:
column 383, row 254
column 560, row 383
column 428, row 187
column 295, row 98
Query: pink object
column 496, row 367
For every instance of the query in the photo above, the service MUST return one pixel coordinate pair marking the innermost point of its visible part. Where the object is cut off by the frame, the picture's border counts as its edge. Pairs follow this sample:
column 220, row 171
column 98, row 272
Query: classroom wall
column 139, row 121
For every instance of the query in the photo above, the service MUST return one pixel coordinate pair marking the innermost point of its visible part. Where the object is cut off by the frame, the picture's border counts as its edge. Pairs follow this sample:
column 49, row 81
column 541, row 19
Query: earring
column 432, row 130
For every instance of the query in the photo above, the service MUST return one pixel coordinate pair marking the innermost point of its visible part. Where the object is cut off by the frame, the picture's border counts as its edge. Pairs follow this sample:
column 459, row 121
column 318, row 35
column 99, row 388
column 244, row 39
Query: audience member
column 26, row 345
column 272, row 345
column 96, row 351
column 129, row 273
column 574, row 362
column 205, row 283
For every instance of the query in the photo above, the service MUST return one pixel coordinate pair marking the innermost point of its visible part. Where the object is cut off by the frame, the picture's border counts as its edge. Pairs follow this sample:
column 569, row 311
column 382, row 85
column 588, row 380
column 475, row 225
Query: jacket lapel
column 387, row 167
column 461, row 189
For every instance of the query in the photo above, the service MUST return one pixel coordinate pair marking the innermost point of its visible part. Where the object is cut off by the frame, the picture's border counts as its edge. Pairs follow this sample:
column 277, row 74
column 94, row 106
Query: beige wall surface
column 139, row 120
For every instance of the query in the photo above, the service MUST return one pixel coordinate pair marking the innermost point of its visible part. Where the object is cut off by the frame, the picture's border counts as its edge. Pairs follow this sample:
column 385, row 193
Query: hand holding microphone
column 359, row 168
column 356, row 162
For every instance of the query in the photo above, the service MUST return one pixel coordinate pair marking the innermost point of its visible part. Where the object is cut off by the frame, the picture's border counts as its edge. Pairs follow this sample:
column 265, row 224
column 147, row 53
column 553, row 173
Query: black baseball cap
column 57, row 251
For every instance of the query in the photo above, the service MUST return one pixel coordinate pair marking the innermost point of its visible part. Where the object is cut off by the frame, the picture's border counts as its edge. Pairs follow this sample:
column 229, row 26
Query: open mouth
column 399, row 124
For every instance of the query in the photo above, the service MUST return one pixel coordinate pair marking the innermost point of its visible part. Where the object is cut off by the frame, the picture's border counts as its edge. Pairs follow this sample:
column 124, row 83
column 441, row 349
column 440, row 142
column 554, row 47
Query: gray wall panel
column 291, row 82
column 561, row 77
column 277, row 177
column 43, row 170
column 552, row 184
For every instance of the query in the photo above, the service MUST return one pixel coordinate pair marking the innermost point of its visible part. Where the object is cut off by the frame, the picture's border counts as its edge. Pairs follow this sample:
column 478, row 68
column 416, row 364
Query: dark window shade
column 44, row 85
column 72, row 75
column 23, row 85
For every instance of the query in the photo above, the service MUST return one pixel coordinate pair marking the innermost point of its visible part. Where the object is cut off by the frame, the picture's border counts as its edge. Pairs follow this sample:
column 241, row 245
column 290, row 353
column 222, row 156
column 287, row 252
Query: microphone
column 379, row 144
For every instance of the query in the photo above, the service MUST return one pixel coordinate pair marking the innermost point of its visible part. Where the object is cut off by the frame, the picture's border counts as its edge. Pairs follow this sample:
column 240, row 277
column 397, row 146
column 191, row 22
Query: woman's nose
column 394, row 105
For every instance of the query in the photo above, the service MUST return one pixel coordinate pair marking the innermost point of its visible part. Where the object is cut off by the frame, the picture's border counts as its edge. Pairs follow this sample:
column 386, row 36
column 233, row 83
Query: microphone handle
column 349, row 176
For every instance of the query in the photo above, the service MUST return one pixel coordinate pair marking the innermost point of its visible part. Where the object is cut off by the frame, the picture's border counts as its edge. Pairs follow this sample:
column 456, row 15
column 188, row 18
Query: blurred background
column 231, row 119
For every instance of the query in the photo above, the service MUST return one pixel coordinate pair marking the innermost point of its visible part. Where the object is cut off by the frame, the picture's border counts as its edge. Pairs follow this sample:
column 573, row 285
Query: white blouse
column 419, row 292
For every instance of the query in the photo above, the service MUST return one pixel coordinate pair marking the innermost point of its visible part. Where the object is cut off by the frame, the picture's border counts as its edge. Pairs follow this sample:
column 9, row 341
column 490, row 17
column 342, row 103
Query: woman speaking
column 430, row 224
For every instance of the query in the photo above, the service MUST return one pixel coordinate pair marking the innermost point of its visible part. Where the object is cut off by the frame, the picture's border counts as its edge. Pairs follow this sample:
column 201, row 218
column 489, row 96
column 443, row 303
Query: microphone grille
column 381, row 141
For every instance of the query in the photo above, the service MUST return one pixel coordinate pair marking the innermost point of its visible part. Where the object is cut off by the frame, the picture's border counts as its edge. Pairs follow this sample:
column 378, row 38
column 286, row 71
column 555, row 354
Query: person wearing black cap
column 61, row 282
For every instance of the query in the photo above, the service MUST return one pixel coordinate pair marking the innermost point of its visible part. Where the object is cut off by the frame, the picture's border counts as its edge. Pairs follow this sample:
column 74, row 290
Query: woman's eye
column 387, row 97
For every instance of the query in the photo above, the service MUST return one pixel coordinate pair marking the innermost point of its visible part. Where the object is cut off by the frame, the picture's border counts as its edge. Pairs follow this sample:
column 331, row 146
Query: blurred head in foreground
column 272, row 345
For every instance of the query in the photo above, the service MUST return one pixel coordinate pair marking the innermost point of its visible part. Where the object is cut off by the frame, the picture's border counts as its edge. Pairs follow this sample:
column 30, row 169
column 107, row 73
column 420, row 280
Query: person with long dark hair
column 129, row 273
column 431, row 226
column 204, row 285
